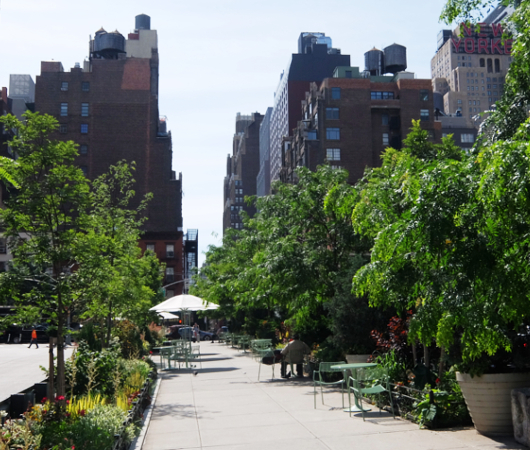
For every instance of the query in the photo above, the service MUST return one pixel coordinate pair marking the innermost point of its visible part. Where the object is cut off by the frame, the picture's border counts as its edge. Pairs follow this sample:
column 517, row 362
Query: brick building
column 242, row 168
column 351, row 118
column 315, row 60
column 109, row 106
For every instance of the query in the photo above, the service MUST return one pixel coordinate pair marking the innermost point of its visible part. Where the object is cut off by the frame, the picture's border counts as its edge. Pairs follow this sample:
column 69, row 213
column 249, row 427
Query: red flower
column 150, row 352
column 44, row 400
column 437, row 380
column 82, row 412
column 73, row 447
column 60, row 398
column 67, row 402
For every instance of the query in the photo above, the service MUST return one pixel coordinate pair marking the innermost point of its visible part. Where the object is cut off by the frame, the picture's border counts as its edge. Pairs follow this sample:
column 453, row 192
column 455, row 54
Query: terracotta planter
column 351, row 359
column 488, row 399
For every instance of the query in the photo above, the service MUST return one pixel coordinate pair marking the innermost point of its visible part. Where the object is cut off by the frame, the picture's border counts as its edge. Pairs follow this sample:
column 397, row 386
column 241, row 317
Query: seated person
column 294, row 352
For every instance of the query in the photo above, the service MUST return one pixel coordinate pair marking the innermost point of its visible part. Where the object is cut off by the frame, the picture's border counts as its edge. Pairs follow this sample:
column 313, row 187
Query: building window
column 335, row 93
column 459, row 102
column 83, row 149
column 3, row 266
column 348, row 74
column 84, row 128
column 424, row 95
column 3, row 246
column 63, row 128
column 467, row 138
column 490, row 65
column 424, row 114
column 64, row 109
column 170, row 251
column 150, row 247
column 84, row 169
column 378, row 95
column 497, row 65
column 312, row 135
column 332, row 113
column 84, row 109
column 333, row 134
column 238, row 182
column 386, row 139
column 384, row 119
column 64, row 86
column 170, row 274
column 333, row 154
column 85, row 86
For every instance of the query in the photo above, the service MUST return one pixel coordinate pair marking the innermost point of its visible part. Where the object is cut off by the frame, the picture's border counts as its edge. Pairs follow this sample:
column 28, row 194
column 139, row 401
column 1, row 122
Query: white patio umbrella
column 167, row 315
column 184, row 302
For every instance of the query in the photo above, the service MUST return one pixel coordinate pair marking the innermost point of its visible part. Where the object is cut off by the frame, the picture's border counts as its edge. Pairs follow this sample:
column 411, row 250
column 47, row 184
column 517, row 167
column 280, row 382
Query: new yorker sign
column 482, row 38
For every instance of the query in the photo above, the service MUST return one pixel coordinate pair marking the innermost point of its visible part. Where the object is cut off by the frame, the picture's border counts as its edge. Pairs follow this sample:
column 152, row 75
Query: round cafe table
column 353, row 367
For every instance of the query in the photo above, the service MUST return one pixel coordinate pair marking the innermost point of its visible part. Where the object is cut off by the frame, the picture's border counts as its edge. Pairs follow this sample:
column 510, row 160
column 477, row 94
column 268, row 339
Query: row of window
column 64, row 110
column 381, row 95
column 85, row 86
column 63, row 128
column 237, row 226
column 236, row 208
column 170, row 249
column 239, row 191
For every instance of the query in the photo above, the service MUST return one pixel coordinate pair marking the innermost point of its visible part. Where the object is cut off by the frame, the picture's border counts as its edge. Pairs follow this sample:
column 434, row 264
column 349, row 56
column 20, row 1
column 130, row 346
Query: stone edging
column 138, row 442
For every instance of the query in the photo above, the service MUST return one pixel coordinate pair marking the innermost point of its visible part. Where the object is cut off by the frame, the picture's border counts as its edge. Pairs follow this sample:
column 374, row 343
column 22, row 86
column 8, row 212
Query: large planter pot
column 351, row 359
column 488, row 399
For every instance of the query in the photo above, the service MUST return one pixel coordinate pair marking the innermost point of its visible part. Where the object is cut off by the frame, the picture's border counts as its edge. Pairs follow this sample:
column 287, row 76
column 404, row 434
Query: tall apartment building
column 263, row 181
column 109, row 106
column 470, row 65
column 351, row 118
column 315, row 60
column 242, row 168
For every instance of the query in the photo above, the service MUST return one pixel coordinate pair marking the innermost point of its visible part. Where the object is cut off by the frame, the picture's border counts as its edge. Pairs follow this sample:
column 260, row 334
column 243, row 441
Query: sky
column 217, row 58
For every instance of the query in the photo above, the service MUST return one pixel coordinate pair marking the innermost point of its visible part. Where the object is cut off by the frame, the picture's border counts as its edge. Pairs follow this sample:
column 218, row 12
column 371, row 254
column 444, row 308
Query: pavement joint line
column 196, row 415
column 138, row 442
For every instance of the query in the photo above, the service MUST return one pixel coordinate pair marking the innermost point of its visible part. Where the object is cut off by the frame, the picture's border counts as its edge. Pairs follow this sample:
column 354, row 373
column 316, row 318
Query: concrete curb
column 138, row 442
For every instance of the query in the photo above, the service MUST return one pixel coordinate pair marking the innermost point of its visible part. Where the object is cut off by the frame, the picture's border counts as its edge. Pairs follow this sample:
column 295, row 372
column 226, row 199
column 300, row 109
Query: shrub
column 130, row 339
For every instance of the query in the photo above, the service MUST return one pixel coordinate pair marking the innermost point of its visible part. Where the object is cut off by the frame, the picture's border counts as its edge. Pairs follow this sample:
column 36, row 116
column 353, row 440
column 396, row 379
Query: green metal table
column 353, row 366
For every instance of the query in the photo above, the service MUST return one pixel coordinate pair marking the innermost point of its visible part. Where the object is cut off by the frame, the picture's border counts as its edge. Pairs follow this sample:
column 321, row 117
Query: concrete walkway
column 19, row 366
column 225, row 407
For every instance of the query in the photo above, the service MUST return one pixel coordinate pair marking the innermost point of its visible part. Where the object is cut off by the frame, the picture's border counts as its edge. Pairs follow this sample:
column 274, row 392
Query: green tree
column 43, row 223
column 287, row 259
column 111, row 251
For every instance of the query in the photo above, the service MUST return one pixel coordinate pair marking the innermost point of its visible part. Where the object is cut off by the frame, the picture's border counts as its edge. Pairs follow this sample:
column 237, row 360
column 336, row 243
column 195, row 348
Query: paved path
column 224, row 407
column 19, row 367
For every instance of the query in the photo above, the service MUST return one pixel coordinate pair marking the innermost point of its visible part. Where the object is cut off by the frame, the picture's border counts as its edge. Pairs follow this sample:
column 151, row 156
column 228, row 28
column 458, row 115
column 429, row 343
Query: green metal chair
column 319, row 379
column 165, row 354
column 244, row 342
column 267, row 353
column 195, row 354
column 370, row 380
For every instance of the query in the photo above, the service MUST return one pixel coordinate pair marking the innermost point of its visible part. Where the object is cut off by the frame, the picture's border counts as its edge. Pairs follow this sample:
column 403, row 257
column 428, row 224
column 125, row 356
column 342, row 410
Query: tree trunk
column 441, row 365
column 426, row 360
column 414, row 355
column 61, row 385
column 50, row 392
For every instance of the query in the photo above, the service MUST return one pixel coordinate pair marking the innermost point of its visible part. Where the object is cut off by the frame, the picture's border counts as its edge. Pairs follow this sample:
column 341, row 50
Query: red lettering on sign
column 467, row 30
column 508, row 46
column 466, row 46
column 496, row 45
column 482, row 27
column 456, row 43
column 497, row 29
column 483, row 45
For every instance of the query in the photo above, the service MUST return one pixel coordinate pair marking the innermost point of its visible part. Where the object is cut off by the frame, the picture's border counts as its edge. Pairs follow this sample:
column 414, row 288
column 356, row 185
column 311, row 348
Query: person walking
column 196, row 332
column 33, row 338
